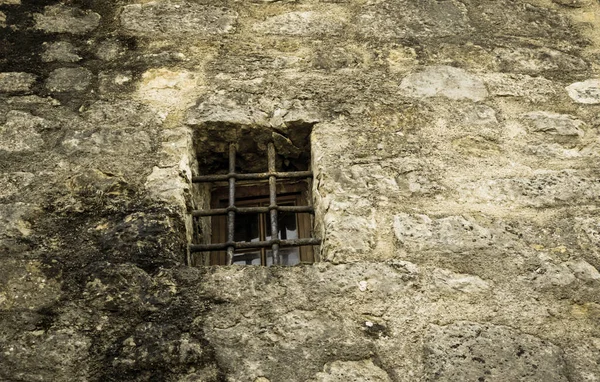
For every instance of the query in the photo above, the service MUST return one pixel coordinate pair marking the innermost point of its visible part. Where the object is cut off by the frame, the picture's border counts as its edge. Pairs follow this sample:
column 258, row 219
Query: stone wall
column 455, row 146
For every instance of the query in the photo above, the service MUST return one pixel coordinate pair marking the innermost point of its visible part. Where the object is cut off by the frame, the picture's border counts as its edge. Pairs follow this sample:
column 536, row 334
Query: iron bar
column 231, row 210
column 254, row 244
column 253, row 176
column 273, row 203
column 252, row 210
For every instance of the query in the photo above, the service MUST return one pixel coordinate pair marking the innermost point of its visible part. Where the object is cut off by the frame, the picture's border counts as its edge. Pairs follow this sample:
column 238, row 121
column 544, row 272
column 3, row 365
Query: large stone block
column 16, row 82
column 534, row 61
column 13, row 183
column 586, row 92
column 466, row 351
column 60, row 51
column 21, row 132
column 306, row 23
column 63, row 19
column 177, row 18
column 444, row 81
column 364, row 370
column 408, row 19
column 544, row 189
column 69, row 79
column 38, row 355
column 533, row 89
column 555, row 124
column 447, row 234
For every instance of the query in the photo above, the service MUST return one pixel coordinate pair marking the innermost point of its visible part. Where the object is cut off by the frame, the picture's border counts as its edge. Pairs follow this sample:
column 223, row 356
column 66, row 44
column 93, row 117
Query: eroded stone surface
column 69, row 79
column 21, row 132
column 177, row 18
column 352, row 371
column 586, row 92
column 301, row 24
column 16, row 82
column 455, row 179
column 63, row 19
column 444, row 81
column 61, row 51
column 473, row 351
column 452, row 233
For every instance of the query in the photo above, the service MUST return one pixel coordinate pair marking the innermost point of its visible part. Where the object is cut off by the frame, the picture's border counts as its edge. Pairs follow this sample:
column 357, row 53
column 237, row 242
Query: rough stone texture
column 62, row 19
column 69, row 79
column 177, row 18
column 444, row 81
column 475, row 352
column 301, row 24
column 587, row 92
column 20, row 132
column 16, row 82
column 455, row 151
column 61, row 51
column 352, row 371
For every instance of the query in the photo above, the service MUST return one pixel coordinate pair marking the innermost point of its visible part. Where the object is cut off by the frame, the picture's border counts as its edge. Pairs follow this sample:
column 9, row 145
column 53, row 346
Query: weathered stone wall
column 456, row 153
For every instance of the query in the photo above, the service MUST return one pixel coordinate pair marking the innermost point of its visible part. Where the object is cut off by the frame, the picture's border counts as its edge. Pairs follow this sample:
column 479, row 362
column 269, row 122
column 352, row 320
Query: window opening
column 261, row 227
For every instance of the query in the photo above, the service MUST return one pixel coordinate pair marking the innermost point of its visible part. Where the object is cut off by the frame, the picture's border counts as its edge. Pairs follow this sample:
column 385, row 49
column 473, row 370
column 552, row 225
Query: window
column 258, row 218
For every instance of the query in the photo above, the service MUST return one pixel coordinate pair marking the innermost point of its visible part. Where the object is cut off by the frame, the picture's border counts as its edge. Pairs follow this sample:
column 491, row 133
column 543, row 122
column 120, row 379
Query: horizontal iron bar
column 254, row 244
column 254, row 176
column 252, row 210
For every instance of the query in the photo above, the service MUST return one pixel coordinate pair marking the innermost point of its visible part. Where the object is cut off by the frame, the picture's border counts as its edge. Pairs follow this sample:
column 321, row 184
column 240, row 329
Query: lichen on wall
column 455, row 150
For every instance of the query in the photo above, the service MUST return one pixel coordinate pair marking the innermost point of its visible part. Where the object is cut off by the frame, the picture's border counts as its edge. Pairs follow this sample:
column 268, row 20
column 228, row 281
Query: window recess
column 258, row 218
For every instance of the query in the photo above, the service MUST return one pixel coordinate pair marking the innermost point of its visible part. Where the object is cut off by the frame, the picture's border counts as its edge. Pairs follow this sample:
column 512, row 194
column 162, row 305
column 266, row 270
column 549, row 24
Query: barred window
column 260, row 218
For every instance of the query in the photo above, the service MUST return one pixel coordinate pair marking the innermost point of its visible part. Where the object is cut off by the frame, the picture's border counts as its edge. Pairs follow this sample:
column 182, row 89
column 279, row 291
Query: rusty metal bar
column 231, row 209
column 253, row 176
column 273, row 203
column 252, row 210
column 254, row 244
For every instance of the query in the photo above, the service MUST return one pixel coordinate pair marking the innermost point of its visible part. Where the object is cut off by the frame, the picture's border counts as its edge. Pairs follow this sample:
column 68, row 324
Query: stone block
column 39, row 355
column 24, row 284
column 586, row 92
column 21, row 132
column 111, row 83
column 534, row 61
column 69, row 80
column 60, row 51
column 63, row 19
column 166, row 89
column 110, row 50
column 306, row 23
column 177, row 18
column 445, row 280
column 120, row 287
column 13, row 183
column 556, row 274
column 16, row 82
column 496, row 19
column 217, row 109
column 444, row 81
column 364, row 370
column 555, row 124
column 467, row 351
column 533, row 89
column 446, row 234
column 573, row 3
column 544, row 189
column 407, row 19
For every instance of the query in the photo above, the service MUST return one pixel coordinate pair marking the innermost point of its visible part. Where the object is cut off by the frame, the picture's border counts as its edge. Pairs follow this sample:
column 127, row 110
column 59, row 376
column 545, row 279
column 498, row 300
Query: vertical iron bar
column 231, row 214
column 273, row 203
